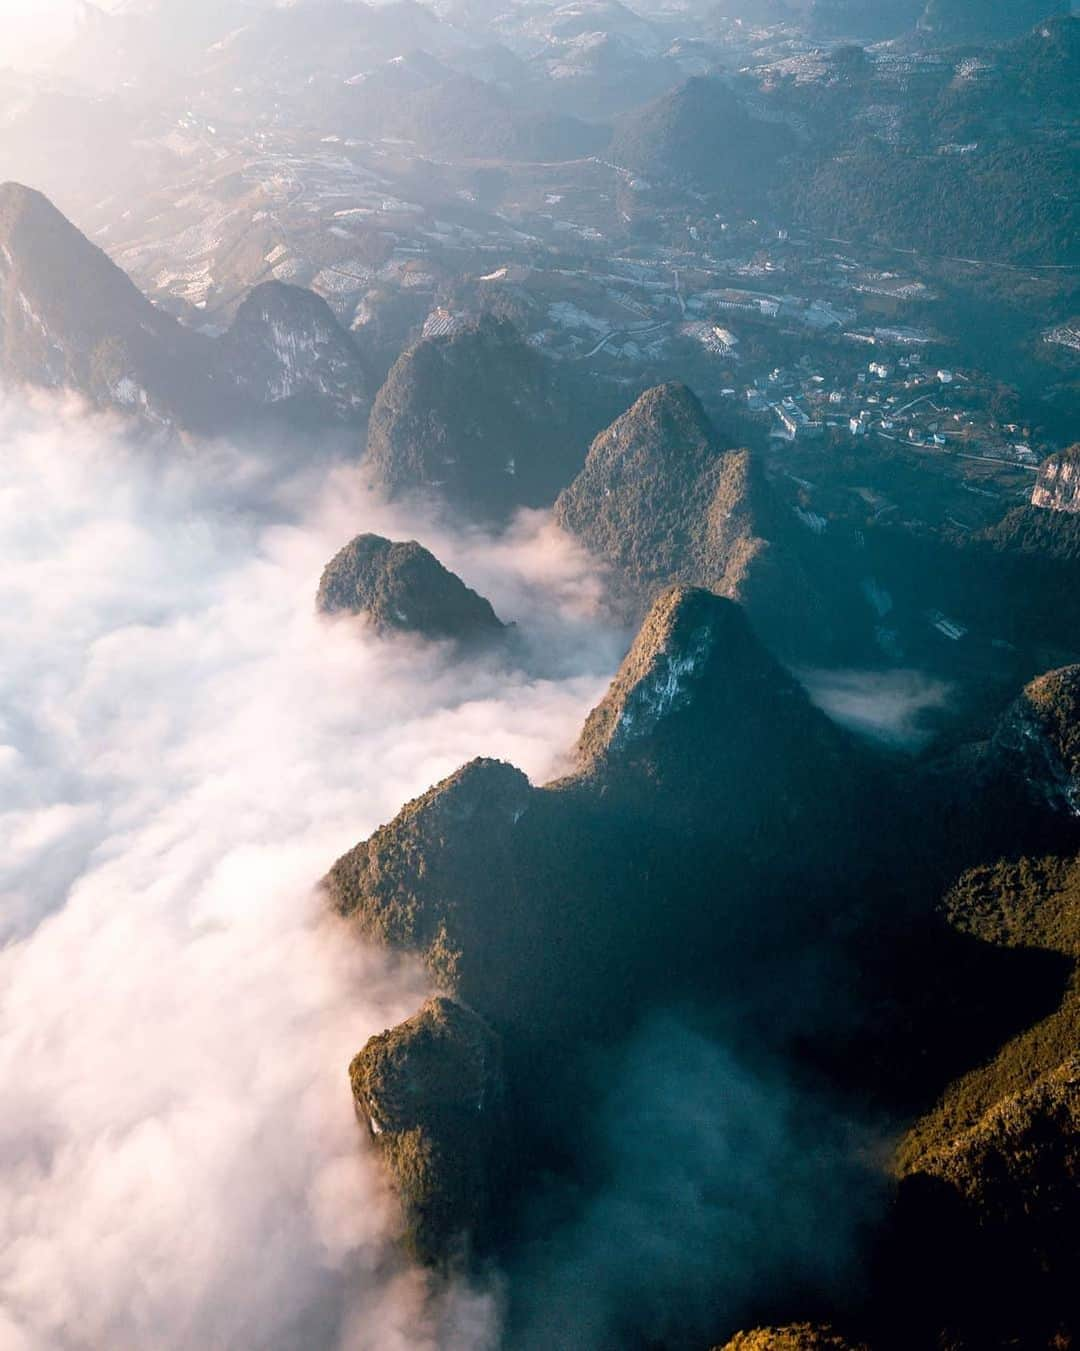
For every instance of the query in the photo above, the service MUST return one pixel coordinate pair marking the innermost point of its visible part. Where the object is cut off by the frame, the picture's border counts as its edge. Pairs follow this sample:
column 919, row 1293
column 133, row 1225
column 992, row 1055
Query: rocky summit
column 702, row 732
column 431, row 1092
column 642, row 499
column 1058, row 484
column 402, row 588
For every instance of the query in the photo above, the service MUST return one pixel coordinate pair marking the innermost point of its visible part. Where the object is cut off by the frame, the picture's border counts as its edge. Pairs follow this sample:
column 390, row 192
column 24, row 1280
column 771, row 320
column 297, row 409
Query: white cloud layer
column 184, row 749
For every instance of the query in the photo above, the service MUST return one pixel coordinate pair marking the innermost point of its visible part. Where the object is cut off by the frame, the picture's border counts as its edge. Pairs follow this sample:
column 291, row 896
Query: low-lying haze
column 184, row 748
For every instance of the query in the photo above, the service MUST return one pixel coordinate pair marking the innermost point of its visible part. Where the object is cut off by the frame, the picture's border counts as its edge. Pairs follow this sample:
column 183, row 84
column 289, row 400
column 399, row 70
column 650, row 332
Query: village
column 819, row 342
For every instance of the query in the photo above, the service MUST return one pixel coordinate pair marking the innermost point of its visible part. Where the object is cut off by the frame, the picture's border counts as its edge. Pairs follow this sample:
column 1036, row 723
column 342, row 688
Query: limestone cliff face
column 431, row 1092
column 1058, row 485
column 698, row 703
column 1038, row 739
column 402, row 588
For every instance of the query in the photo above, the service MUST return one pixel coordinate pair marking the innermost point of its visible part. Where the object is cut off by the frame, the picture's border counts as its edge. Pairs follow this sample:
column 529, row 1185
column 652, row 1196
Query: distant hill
column 969, row 152
column 704, row 135
column 460, row 116
column 985, row 20
column 979, row 163
column 71, row 319
column 478, row 419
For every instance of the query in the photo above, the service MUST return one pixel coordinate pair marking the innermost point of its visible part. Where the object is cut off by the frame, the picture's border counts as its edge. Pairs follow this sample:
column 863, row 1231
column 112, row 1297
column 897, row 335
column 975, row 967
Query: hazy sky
column 27, row 27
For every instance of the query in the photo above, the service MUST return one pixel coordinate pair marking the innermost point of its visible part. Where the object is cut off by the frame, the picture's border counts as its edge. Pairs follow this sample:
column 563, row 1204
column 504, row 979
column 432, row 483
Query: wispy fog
column 894, row 707
column 715, row 1184
column 184, row 748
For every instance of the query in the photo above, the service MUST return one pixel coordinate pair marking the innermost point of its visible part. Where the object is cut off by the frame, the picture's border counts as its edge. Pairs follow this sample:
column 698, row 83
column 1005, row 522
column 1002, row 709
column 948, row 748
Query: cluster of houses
column 908, row 401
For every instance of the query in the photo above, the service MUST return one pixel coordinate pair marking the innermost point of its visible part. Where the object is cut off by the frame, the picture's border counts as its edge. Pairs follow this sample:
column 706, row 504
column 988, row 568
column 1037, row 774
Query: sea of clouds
column 185, row 747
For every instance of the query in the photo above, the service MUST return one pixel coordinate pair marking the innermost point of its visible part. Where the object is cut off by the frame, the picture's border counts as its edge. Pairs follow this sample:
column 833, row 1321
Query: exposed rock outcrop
column 477, row 419
column 431, row 1092
column 402, row 588
column 698, row 693
column 793, row 1337
column 1058, row 485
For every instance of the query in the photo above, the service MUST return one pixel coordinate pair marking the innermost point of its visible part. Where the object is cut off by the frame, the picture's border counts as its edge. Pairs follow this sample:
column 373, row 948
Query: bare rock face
column 286, row 349
column 403, row 588
column 1039, row 738
column 1058, row 485
column 431, row 1092
column 695, row 680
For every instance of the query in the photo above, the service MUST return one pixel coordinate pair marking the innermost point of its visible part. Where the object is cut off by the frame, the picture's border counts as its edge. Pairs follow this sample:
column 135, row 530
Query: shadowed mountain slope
column 476, row 419
column 704, row 748
column 432, row 1094
column 71, row 319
